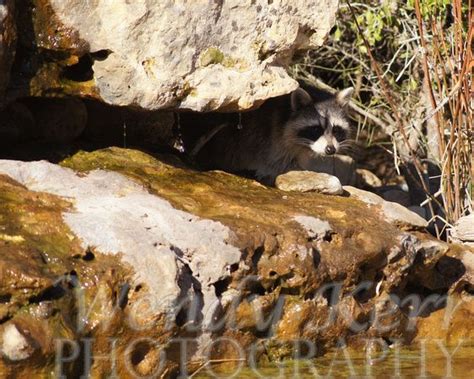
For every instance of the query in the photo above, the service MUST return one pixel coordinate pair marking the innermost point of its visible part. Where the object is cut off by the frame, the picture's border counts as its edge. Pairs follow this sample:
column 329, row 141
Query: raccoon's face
column 322, row 125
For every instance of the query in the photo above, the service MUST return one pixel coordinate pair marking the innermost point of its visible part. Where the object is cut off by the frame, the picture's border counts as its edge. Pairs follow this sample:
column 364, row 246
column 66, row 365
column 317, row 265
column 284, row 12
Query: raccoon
column 286, row 133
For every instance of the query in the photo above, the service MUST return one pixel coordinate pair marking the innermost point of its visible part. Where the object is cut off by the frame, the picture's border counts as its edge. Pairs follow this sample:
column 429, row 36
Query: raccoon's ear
column 300, row 99
column 344, row 96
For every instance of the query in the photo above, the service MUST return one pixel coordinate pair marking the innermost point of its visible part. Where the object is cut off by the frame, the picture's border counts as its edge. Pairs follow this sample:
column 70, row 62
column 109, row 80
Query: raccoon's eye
column 311, row 133
column 339, row 133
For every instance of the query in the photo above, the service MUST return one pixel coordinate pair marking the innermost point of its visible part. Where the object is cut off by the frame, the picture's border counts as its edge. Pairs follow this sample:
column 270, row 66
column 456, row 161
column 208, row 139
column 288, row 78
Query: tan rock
column 393, row 212
column 365, row 196
column 463, row 230
column 309, row 181
column 193, row 55
column 400, row 215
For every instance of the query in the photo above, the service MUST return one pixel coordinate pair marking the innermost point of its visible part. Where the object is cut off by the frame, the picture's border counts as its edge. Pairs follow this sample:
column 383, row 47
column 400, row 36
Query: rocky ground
column 116, row 253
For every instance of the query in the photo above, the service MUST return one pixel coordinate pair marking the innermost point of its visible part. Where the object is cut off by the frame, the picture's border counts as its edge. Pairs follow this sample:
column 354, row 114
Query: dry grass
column 414, row 84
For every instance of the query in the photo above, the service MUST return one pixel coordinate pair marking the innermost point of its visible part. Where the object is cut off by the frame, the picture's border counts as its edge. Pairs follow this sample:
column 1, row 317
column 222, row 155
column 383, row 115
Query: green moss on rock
column 255, row 213
column 211, row 55
column 42, row 273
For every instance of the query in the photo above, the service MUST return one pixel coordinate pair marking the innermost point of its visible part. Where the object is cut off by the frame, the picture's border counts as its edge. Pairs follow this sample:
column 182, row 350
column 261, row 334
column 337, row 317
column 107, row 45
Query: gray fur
column 278, row 137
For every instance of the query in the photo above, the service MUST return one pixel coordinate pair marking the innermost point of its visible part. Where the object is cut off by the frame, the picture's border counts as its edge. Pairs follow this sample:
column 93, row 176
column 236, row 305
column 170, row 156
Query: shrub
column 411, row 64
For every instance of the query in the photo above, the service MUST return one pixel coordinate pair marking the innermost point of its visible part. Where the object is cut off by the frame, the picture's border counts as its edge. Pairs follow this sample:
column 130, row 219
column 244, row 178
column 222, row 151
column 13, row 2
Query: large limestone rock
column 118, row 255
column 198, row 55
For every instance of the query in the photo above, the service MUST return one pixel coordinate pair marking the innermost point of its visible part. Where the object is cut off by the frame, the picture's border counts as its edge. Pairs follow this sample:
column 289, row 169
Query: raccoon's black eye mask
column 339, row 133
column 311, row 133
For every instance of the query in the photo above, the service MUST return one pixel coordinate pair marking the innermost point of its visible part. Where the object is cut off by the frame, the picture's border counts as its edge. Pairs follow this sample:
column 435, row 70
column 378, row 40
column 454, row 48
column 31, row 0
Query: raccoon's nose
column 330, row 150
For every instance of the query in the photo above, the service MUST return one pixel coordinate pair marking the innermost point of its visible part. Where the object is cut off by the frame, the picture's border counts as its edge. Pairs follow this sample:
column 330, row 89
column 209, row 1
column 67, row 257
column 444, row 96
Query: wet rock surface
column 118, row 244
column 40, row 261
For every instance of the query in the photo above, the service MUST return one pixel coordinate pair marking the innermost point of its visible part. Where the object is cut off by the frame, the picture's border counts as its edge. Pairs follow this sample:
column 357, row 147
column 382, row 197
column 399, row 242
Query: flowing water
column 423, row 361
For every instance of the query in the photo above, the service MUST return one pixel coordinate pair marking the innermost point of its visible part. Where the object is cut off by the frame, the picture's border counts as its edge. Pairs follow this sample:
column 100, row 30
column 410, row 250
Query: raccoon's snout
column 330, row 150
